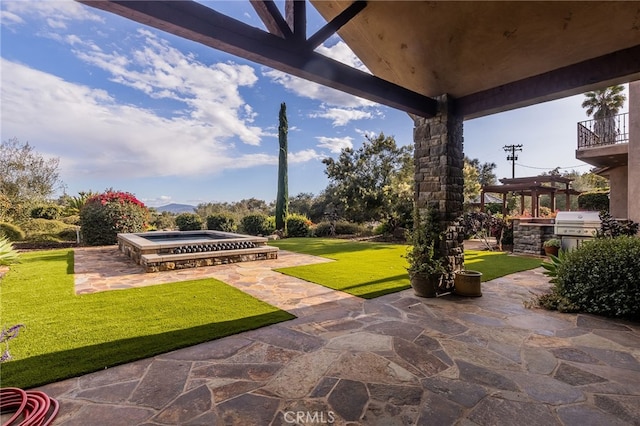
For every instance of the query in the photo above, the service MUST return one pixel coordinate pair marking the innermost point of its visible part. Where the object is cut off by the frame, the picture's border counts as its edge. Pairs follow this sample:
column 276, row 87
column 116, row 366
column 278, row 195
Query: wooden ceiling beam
column 272, row 18
column 596, row 73
column 336, row 23
column 295, row 12
column 197, row 22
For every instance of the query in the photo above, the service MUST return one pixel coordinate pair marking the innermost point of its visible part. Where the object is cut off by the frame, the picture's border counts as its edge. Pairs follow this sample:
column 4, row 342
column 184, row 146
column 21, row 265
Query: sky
column 132, row 108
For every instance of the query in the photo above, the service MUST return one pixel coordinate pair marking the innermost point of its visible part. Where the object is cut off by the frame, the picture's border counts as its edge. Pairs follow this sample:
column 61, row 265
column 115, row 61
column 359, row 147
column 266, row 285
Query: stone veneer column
column 633, row 168
column 439, row 159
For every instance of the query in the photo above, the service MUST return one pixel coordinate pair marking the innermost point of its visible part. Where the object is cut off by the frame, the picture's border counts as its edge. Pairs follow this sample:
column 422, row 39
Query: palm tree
column 604, row 105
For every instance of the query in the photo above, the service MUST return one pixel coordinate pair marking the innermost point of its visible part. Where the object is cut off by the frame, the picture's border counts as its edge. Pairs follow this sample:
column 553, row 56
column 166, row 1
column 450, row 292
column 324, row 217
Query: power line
column 547, row 168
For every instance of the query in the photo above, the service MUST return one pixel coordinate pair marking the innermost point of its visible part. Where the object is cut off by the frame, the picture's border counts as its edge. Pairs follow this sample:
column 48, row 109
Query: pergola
column 533, row 187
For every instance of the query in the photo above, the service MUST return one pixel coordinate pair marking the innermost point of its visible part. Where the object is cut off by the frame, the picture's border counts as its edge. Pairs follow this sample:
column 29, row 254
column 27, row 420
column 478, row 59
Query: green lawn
column 370, row 270
column 68, row 335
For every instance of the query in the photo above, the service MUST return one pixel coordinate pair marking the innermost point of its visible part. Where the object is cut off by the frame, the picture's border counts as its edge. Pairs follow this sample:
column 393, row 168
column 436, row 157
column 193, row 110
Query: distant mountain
column 176, row 208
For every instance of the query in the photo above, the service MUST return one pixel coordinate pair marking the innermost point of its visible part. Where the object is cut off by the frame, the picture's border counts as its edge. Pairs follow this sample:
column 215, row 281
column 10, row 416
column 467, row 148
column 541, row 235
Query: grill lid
column 578, row 218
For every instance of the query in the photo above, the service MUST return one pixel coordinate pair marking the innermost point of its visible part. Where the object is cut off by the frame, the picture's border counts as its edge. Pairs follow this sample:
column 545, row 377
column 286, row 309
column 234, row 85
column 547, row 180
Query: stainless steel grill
column 575, row 227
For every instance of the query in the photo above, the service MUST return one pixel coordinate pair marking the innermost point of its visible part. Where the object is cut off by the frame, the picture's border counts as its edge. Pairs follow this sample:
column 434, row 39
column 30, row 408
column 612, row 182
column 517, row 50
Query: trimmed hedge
column 50, row 212
column 189, row 222
column 594, row 201
column 11, row 231
column 222, row 222
column 601, row 277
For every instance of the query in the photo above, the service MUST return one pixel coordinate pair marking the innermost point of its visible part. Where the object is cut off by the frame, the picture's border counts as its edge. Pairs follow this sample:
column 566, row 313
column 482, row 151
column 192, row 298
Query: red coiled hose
column 35, row 408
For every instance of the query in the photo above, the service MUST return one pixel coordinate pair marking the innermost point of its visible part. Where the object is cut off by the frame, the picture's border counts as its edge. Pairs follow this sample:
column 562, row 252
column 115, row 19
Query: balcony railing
column 604, row 131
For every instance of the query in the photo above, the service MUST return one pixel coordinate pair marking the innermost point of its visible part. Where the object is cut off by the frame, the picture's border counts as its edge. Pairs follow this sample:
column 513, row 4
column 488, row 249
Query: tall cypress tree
column 282, row 200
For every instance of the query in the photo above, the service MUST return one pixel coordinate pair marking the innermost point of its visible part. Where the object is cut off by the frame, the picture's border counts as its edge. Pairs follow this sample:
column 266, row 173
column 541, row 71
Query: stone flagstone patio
column 394, row 360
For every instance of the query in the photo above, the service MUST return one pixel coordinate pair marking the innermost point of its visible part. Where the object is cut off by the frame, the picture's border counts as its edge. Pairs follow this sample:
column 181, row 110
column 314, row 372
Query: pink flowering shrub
column 105, row 215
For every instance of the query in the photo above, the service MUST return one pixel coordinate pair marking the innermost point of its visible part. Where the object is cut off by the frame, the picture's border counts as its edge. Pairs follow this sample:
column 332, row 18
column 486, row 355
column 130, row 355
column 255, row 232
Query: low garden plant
column 8, row 254
column 599, row 277
column 67, row 335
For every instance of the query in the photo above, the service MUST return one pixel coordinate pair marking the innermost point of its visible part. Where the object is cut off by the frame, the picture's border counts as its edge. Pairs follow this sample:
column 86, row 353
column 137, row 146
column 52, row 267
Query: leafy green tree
column 282, row 199
column 301, row 203
column 486, row 175
column 26, row 177
column 604, row 105
column 472, row 186
column 367, row 182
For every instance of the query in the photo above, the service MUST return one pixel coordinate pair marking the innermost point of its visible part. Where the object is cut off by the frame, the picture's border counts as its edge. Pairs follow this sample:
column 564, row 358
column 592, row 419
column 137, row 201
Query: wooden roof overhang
column 489, row 56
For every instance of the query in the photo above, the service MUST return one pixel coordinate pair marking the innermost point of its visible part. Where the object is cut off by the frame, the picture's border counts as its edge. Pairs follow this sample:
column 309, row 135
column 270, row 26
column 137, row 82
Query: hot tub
column 170, row 250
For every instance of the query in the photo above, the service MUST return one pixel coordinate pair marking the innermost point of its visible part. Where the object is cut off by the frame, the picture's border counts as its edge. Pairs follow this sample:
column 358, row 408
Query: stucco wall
column 618, row 204
column 633, row 203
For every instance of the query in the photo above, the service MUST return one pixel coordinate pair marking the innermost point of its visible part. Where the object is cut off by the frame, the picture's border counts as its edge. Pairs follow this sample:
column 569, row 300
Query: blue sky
column 128, row 107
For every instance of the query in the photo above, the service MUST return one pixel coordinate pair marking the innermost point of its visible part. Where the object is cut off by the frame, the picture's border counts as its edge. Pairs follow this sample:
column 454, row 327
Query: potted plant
column 551, row 246
column 426, row 267
column 467, row 283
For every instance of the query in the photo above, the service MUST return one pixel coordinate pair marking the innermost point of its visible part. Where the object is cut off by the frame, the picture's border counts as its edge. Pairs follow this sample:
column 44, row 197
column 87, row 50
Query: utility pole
column 513, row 157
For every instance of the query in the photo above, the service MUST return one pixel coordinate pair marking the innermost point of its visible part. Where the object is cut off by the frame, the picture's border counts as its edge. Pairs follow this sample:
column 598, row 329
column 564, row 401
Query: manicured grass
column 362, row 269
column 68, row 335
column 495, row 264
column 370, row 270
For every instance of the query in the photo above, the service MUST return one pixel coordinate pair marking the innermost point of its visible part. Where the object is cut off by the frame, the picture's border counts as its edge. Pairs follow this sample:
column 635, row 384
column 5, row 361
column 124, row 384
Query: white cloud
column 342, row 116
column 311, row 90
column 9, row 18
column 365, row 133
column 343, row 53
column 162, row 200
column 303, row 156
column 94, row 136
column 210, row 93
column 57, row 14
column 335, row 145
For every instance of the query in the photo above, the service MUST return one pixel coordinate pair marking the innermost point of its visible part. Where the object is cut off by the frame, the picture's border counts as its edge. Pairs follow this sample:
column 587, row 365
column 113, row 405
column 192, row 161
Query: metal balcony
column 603, row 131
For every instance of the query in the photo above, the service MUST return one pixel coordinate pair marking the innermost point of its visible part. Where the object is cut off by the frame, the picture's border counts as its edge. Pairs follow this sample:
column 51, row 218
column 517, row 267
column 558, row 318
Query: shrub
column 601, row 277
column 222, row 222
column 105, row 215
column 595, row 201
column 51, row 212
column 189, row 222
column 69, row 234
column 611, row 227
column 47, row 230
column 298, row 225
column 11, row 231
column 71, row 220
column 257, row 224
column 323, row 229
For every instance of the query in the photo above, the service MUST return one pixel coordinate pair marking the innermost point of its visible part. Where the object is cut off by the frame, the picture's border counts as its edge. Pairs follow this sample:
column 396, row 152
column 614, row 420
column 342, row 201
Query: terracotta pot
column 468, row 283
column 425, row 285
column 551, row 250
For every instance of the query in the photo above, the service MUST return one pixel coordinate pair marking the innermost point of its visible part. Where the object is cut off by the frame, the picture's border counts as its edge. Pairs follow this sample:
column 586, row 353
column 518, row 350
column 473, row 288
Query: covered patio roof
column 489, row 56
